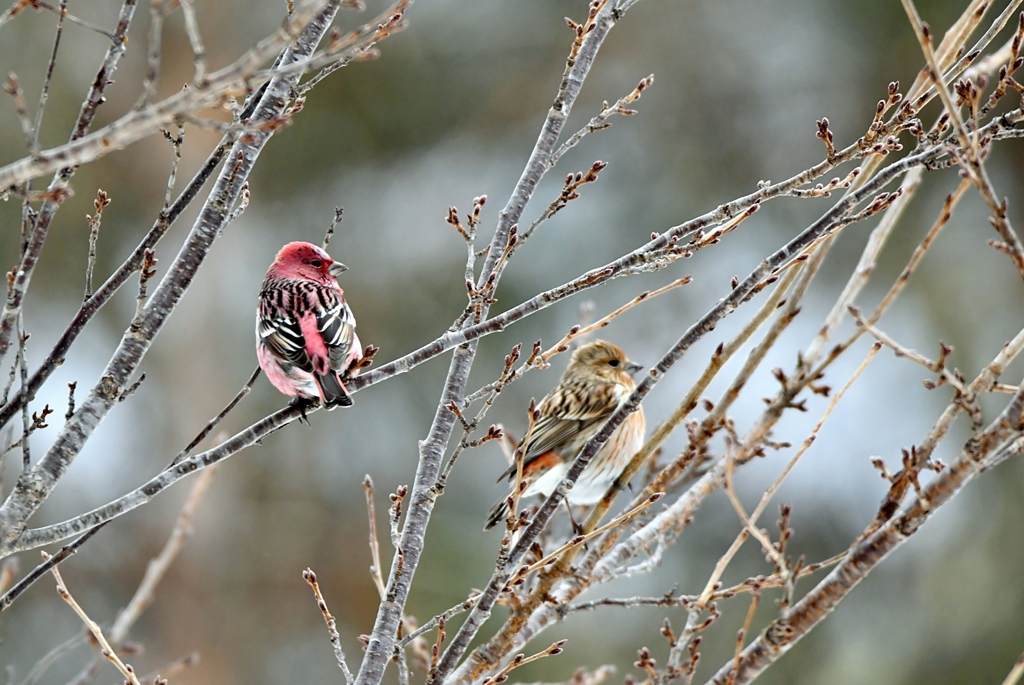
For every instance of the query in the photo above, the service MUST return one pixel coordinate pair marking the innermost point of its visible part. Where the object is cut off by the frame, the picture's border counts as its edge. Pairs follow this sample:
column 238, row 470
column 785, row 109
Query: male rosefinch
column 598, row 380
column 305, row 333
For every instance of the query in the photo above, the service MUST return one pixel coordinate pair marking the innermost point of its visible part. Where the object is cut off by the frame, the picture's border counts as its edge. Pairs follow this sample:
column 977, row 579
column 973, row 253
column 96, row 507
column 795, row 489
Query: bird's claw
column 302, row 404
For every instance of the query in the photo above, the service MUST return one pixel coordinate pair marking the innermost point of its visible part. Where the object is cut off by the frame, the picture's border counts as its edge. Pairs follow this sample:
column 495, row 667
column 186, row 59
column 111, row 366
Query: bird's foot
column 302, row 404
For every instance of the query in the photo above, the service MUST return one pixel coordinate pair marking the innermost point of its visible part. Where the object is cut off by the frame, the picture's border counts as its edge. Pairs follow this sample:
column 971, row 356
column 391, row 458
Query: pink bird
column 305, row 332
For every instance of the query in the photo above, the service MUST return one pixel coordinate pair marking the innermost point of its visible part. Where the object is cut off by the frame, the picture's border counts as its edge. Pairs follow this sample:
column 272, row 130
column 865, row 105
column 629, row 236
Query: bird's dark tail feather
column 497, row 514
column 334, row 391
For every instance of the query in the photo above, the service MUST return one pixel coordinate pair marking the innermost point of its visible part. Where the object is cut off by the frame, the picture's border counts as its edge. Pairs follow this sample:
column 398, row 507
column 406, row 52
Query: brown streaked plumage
column 598, row 380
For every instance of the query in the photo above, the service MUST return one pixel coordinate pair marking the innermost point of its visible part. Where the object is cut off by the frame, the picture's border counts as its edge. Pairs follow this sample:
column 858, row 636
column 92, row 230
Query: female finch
column 598, row 380
column 305, row 333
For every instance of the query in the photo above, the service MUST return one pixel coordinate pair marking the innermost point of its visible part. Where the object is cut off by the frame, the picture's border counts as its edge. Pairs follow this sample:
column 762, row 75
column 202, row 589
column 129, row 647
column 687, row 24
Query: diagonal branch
column 835, row 217
column 105, row 648
column 1003, row 438
column 743, row 291
column 35, row 485
column 380, row 648
column 219, row 87
column 58, row 188
column 98, row 299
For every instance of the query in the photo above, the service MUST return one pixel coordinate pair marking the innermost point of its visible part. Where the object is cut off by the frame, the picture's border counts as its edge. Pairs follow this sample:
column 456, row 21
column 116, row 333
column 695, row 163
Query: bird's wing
column 338, row 328
column 307, row 325
column 283, row 337
column 564, row 414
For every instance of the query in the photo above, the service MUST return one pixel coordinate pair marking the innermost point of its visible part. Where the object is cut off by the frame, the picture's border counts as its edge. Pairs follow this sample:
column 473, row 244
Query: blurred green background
column 451, row 111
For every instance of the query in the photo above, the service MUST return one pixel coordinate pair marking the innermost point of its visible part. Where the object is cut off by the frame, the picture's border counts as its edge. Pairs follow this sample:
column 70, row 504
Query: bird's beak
column 633, row 367
column 337, row 268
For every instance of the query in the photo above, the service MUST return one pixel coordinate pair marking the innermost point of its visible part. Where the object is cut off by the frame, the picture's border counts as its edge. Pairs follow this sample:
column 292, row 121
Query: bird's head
column 604, row 360
column 305, row 260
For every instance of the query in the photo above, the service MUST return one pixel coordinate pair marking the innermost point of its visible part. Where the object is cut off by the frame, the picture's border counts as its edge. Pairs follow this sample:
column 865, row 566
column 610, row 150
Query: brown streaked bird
column 599, row 379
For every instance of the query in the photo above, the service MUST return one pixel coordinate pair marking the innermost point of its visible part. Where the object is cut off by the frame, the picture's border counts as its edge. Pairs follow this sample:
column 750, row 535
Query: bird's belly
column 589, row 488
column 288, row 378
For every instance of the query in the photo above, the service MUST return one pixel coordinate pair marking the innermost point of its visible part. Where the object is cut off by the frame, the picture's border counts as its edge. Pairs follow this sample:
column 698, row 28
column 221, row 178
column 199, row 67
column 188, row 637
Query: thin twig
column 194, row 38
column 371, row 517
column 518, row 484
column 749, row 521
column 436, row 621
column 577, row 332
column 923, row 33
column 50, row 562
column 100, row 203
column 157, row 13
column 243, row 204
column 601, row 120
column 945, row 374
column 339, row 214
column 1016, row 672
column 143, row 122
column 59, row 11
column 332, row 629
column 176, row 144
column 521, row 660
column 212, row 423
column 26, row 498
column 13, row 88
column 105, row 649
column 581, row 539
column 44, row 93
column 27, row 425
column 749, row 528
column 161, row 676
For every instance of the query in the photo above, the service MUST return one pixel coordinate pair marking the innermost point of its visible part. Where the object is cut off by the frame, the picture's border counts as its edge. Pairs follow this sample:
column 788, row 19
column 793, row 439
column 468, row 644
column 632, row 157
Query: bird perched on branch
column 305, row 332
column 598, row 380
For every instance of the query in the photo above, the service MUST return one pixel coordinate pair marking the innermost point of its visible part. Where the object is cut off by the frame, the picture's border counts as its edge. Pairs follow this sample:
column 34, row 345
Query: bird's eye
column 614, row 362
column 317, row 263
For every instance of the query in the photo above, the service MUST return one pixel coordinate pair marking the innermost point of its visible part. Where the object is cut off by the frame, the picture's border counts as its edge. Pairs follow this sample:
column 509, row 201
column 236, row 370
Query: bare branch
column 522, row 660
column 381, row 644
column 58, row 188
column 332, row 630
column 600, row 122
column 371, row 516
column 339, row 214
column 105, row 649
column 100, row 203
column 198, row 52
column 39, row 571
column 34, row 486
column 1016, row 672
column 219, row 85
column 157, row 13
column 212, row 423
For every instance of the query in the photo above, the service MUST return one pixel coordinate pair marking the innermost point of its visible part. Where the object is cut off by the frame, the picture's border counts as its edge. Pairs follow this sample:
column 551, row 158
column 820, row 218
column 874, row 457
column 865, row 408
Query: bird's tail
column 333, row 390
column 497, row 514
